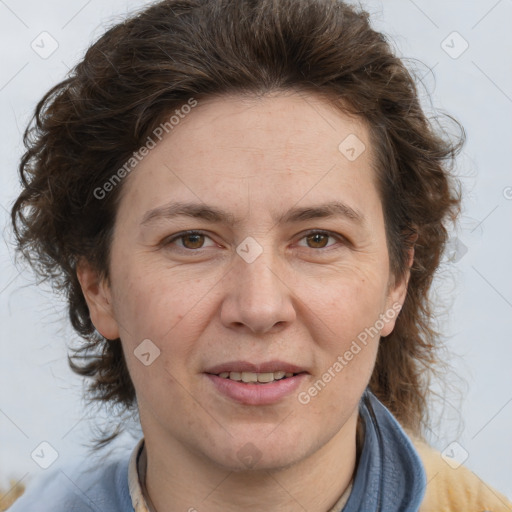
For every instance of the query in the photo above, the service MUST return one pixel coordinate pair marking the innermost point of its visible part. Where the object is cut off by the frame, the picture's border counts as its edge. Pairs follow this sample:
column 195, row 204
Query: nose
column 259, row 296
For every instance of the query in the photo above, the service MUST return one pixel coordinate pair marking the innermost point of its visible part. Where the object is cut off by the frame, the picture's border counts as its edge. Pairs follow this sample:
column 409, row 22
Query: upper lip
column 245, row 366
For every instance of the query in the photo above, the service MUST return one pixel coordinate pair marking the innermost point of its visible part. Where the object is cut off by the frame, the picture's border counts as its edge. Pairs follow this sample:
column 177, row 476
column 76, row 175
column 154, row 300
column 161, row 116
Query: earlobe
column 393, row 307
column 397, row 297
column 98, row 296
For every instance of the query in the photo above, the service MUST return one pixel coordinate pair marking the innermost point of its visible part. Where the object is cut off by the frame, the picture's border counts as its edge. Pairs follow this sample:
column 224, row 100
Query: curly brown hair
column 141, row 70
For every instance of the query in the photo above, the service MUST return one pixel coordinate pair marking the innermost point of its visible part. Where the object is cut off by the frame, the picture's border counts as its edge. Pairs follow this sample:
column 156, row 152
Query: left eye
column 318, row 239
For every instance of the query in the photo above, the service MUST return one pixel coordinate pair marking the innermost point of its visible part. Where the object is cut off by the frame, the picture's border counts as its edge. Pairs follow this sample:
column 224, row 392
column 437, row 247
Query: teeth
column 250, row 377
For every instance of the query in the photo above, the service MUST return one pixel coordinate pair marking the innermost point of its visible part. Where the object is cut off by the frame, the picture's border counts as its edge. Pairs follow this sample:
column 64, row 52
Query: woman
column 245, row 206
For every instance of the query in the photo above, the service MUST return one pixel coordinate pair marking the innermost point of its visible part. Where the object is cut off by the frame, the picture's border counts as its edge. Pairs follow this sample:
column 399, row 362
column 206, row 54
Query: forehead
column 273, row 123
column 285, row 126
column 285, row 146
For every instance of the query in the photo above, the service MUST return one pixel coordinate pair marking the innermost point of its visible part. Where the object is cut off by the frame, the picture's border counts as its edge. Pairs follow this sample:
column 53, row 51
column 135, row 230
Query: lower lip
column 256, row 394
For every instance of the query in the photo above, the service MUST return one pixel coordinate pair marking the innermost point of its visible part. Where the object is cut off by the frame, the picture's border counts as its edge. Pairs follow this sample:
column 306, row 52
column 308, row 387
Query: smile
column 250, row 388
column 253, row 377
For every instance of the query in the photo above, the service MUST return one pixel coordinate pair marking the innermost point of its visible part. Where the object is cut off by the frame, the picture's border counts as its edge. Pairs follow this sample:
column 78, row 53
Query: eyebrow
column 216, row 215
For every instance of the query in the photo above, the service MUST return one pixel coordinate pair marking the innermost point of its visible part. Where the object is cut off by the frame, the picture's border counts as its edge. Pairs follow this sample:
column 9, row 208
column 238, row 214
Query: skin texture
column 304, row 300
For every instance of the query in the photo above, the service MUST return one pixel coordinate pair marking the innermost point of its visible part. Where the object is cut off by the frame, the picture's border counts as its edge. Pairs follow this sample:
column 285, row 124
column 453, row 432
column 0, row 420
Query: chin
column 253, row 461
column 261, row 454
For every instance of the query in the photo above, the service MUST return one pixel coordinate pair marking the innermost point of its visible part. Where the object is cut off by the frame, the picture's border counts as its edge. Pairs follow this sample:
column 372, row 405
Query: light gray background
column 40, row 397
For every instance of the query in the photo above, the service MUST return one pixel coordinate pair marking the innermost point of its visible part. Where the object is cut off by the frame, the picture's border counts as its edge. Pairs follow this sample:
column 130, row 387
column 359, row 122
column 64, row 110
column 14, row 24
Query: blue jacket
column 389, row 477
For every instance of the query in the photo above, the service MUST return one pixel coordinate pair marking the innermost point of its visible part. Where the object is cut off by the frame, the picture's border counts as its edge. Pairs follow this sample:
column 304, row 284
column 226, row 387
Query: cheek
column 159, row 323
column 347, row 341
column 153, row 304
column 349, row 302
column 170, row 309
column 347, row 332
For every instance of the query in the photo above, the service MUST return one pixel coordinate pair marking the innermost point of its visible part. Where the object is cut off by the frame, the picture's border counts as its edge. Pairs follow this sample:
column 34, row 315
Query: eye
column 319, row 239
column 191, row 240
column 195, row 240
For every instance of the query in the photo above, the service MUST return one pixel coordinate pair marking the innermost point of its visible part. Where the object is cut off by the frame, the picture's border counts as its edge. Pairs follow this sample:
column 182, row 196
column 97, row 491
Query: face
column 286, row 272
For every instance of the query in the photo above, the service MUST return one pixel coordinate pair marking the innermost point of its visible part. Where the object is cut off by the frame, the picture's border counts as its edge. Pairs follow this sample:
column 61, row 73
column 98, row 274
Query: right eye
column 190, row 240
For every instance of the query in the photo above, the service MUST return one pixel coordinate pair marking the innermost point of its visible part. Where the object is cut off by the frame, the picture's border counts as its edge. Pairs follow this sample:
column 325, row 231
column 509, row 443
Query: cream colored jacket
column 455, row 490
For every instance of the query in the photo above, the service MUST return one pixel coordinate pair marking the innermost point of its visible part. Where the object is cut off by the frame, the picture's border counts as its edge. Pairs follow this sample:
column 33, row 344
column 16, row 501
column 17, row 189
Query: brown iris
column 197, row 240
column 318, row 238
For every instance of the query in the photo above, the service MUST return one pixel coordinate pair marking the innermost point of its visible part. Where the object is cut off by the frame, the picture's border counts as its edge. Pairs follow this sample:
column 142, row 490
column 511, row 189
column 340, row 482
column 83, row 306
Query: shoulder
column 455, row 487
column 79, row 488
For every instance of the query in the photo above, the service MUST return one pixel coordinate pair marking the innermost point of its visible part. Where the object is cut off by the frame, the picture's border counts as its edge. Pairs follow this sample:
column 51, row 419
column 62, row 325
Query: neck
column 178, row 479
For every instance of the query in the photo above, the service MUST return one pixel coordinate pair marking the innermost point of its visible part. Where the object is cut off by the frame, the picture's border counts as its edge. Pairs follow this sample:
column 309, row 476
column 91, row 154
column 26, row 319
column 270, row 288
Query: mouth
column 257, row 378
column 252, row 373
column 256, row 384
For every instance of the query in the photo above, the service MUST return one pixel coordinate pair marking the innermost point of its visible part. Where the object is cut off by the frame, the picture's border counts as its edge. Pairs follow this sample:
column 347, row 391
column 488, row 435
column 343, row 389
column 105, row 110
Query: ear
column 99, row 300
column 396, row 297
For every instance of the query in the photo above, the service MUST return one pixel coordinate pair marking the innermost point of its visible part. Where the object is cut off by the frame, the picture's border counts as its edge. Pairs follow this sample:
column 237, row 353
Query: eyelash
column 184, row 234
